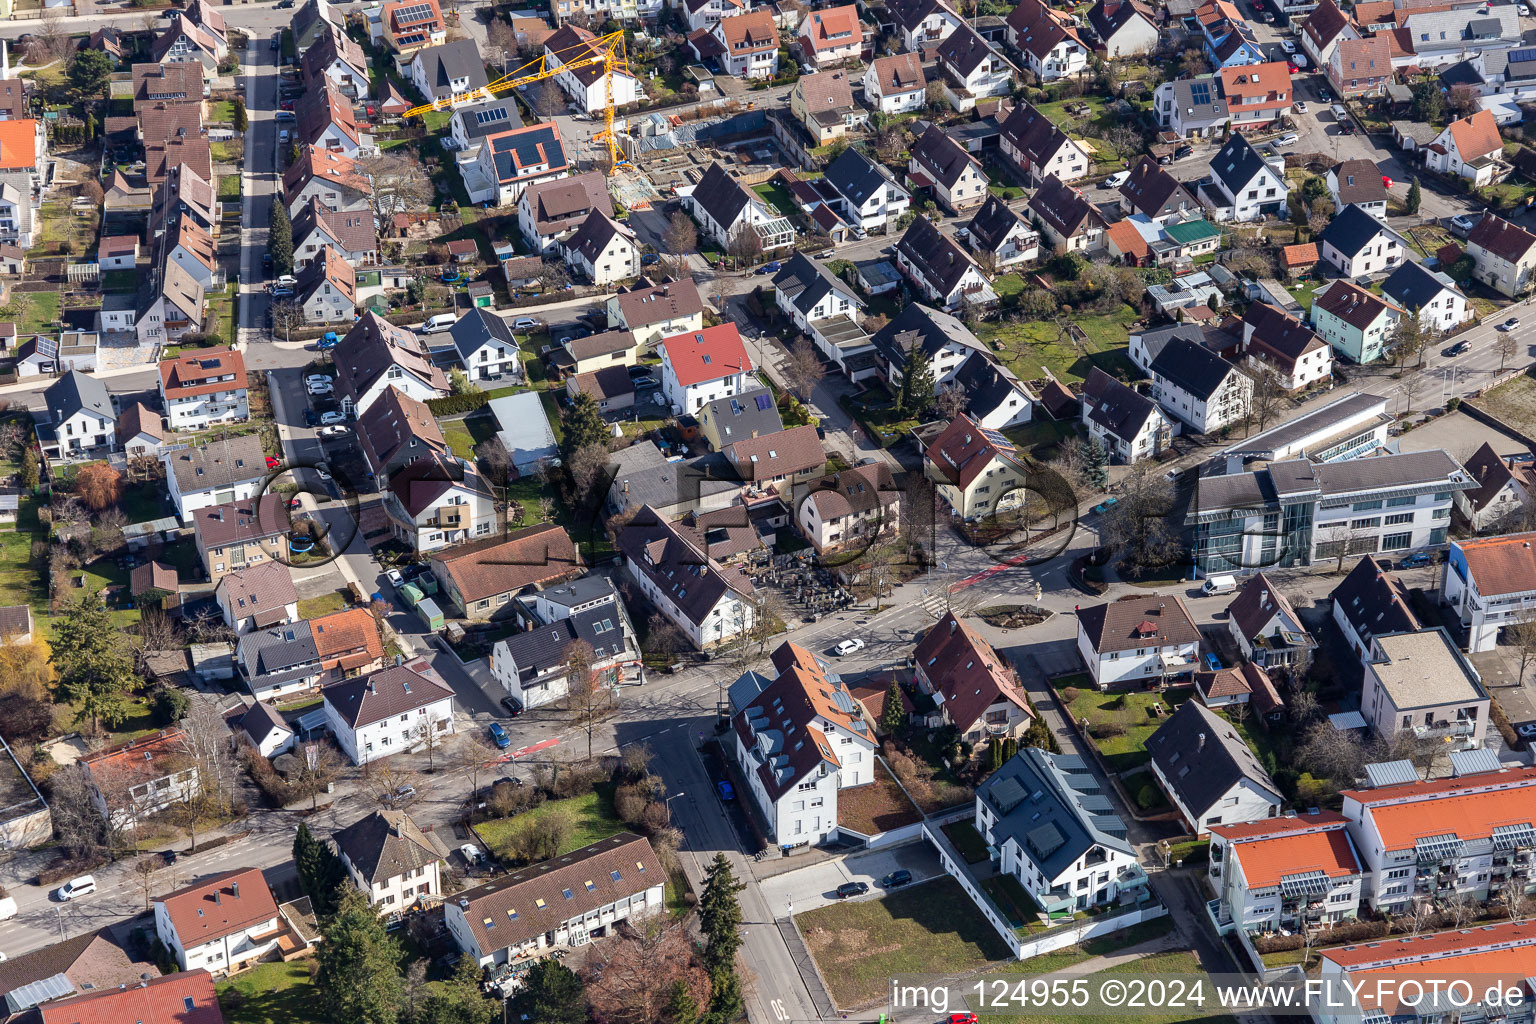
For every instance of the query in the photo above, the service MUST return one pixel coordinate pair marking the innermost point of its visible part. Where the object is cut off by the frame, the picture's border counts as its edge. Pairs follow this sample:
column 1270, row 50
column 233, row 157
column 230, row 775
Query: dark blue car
column 499, row 736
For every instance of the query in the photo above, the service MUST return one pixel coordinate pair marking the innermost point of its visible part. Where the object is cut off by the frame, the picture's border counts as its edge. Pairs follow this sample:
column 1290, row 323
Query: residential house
column 995, row 398
column 1265, row 627
column 603, row 250
column 655, row 311
column 939, row 269
column 866, row 196
column 194, row 250
column 80, row 417
column 170, row 307
column 451, row 71
column 1198, row 387
column 179, row 82
column 1127, row 28
column 533, row 666
column 777, row 461
column 1137, row 640
column 140, row 432
column 183, row 194
column 1419, row 683
column 851, row 508
column 823, row 105
column 314, row 18
column 971, row 69
column 548, row 211
column 922, row 23
column 1415, row 487
column 921, row 332
column 704, row 366
column 603, row 351
column 1362, row 67
column 506, row 162
column 747, row 45
column 1470, row 148
column 705, row 13
column 326, row 291
column 1278, row 343
column 326, row 121
column 1357, row 323
column 390, row 858
column 338, row 59
column 480, row 579
column 1463, row 836
column 1504, row 493
column 1467, row 956
column 709, row 602
column 513, row 916
column 810, row 294
column 405, row 26
column 257, row 596
column 1056, row 833
column 328, row 175
column 1325, row 28
column 1358, row 183
column 279, row 660
column 118, row 252
column 895, row 84
column 236, row 534
column 1245, row 684
column 469, row 124
column 830, row 36
column 1441, row 37
column 1208, row 772
column 1490, row 586
column 1256, row 95
column 1285, row 873
column 1358, row 245
column 128, row 782
column 347, row 642
column 750, row 414
column 204, row 387
column 976, row 472
column 486, row 345
column 183, row 42
column 268, row 732
column 1130, row 426
column 1503, row 255
column 797, row 789
column 438, row 501
column 1428, row 294
column 375, row 356
column 998, row 229
column 1191, row 108
column 1243, row 186
column 724, row 206
column 230, row 469
column 1050, row 46
column 220, row 924
column 1070, row 222
column 1033, row 143
column 943, row 165
column 402, row 708
column 349, row 234
column 1155, row 194
column 1370, row 603
column 1225, row 35
column 968, row 686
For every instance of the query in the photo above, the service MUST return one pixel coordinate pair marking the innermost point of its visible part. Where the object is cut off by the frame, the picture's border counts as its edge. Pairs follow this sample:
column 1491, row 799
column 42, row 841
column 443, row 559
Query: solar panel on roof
column 1200, row 92
column 1523, row 54
column 416, row 13
column 491, row 115
column 764, row 403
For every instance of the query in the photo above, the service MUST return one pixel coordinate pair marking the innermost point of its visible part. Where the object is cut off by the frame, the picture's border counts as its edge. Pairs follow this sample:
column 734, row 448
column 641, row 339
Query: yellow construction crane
column 606, row 50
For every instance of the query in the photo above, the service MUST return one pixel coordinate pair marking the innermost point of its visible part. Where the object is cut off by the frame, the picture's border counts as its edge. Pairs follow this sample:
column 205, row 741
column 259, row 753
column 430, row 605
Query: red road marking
column 1008, row 564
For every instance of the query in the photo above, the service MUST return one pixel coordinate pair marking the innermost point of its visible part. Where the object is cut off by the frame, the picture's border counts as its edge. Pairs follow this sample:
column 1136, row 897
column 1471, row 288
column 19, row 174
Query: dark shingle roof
column 1237, row 163
column 457, row 59
column 1202, row 757
column 1350, row 303
column 988, row 385
column 720, row 195
column 855, row 176
column 676, row 565
column 385, row 845
column 993, row 222
column 1413, row 285
column 1191, row 367
column 965, row 50
column 1373, row 601
column 1063, row 208
column 394, row 691
column 482, row 119
column 805, row 282
column 921, row 328
column 1114, row 406
column 280, row 650
column 936, row 256
column 1052, row 806
column 77, row 392
column 1150, row 188
column 942, row 157
column 1351, row 230
column 1500, row 237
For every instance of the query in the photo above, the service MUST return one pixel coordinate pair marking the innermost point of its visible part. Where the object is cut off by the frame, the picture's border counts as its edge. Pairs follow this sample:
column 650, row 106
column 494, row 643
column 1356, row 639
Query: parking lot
column 816, row 885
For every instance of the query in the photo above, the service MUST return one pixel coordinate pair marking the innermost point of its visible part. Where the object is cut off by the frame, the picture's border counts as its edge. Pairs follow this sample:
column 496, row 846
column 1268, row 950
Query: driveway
column 816, row 885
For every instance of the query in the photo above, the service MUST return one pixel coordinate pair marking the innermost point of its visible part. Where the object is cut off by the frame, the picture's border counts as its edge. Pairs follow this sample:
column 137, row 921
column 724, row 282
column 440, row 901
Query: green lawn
column 221, row 313
column 229, row 187
column 1018, row 907
column 1027, row 347
column 39, row 311
column 589, row 819
column 119, row 280
column 1131, row 711
column 1008, row 285
column 1000, row 184
column 1041, row 436
column 932, row 928
column 778, row 197
column 325, row 604
column 222, row 112
column 227, row 152
column 464, row 434
column 276, row 993
column 968, row 841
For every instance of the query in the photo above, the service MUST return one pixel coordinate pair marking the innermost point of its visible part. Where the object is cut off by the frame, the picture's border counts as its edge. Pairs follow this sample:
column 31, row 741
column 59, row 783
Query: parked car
column 320, row 389
column 1116, row 180
column 311, row 418
column 318, row 378
column 1415, row 560
column 1212, row 662
column 285, row 115
column 1301, row 106
column 1287, row 46
column 513, row 706
column 395, row 579
column 1288, row 140
column 326, row 419
column 847, row 647
column 73, row 889
column 332, row 431
column 273, row 462
column 1526, row 731
column 1183, row 151
column 771, row 267
column 850, row 889
column 1463, row 223
column 499, row 736
column 525, row 323
column 645, row 380
column 962, row 1018
column 726, row 791
column 896, row 879
column 1106, row 505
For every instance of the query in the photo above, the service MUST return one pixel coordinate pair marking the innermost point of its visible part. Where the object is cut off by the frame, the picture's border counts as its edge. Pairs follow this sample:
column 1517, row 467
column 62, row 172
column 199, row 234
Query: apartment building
column 1290, row 873
column 1491, row 583
column 1419, row 683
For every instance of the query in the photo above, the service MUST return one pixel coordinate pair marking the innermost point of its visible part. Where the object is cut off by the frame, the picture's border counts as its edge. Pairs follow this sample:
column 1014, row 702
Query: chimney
column 370, row 682
column 1201, row 745
column 399, row 660
column 218, row 896
column 235, row 889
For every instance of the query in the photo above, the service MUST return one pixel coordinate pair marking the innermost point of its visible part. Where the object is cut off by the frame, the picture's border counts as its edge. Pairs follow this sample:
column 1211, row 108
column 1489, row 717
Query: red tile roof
column 197, row 373
column 1470, row 807
column 1476, row 136
column 967, row 671
column 833, row 28
column 1303, row 255
column 341, row 635
column 709, row 354
column 155, row 1001
column 225, row 904
column 1266, row 860
column 1472, row 955
column 963, row 451
column 1502, row 565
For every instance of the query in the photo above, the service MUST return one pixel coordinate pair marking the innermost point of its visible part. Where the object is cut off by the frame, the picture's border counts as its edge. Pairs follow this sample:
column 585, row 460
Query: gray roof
column 1114, row 406
column 806, row 282
column 287, row 652
column 1323, row 422
column 1202, row 757
column 482, row 119
column 749, row 414
column 583, row 589
column 1413, row 285
column 457, row 59
column 643, row 476
column 987, row 385
column 1154, row 340
column 260, row 719
column 542, row 649
column 1237, row 163
column 78, row 392
column 1199, row 99
column 218, row 463
column 1295, row 477
column 524, row 428
column 921, row 328
column 478, row 328
column 1053, row 807
column 1352, row 229
column 1191, row 367
column 856, row 176
column 1373, row 601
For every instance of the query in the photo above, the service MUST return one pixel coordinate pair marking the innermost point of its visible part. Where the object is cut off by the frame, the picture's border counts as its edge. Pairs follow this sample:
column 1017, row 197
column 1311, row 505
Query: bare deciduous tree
column 1267, row 394
column 400, row 183
column 1411, row 384
column 949, row 401
column 145, row 868
column 286, row 316
column 803, row 370
column 1420, row 916
column 680, row 237
column 745, row 245
column 1332, row 754
column 1522, row 636
column 1513, row 902
column 1506, row 346
column 586, row 698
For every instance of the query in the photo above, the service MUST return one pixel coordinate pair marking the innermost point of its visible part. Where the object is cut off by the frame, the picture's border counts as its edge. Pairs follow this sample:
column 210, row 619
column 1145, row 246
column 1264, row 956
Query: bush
column 1147, row 797
column 453, row 405
column 1104, row 730
column 1070, row 694
column 170, row 706
column 629, row 802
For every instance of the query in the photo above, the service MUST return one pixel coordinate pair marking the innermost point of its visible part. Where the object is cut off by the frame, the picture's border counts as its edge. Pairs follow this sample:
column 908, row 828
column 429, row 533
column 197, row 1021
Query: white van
column 441, row 322
column 77, row 887
column 1220, row 585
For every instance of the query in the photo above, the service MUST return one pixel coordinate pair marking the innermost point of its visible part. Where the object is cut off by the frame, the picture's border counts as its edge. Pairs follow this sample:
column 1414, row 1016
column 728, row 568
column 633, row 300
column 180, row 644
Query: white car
column 317, row 378
column 1287, row 140
column 848, row 647
column 320, row 389
column 77, row 887
column 332, row 431
column 525, row 323
column 395, row 578
column 331, row 418
column 1301, row 106
column 1118, row 179
column 1287, row 46
column 1523, row 10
